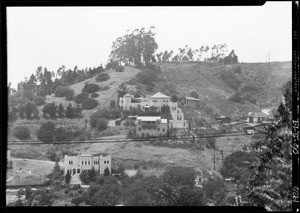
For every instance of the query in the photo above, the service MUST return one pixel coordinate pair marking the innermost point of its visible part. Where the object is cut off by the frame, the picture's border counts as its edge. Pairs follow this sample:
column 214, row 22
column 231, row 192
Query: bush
column 46, row 132
column 89, row 104
column 194, row 94
column 70, row 95
column 90, row 88
column 120, row 68
column 61, row 91
column 21, row 133
column 102, row 77
column 81, row 97
column 94, row 95
column 102, row 124
column 40, row 100
column 153, row 66
column 61, row 134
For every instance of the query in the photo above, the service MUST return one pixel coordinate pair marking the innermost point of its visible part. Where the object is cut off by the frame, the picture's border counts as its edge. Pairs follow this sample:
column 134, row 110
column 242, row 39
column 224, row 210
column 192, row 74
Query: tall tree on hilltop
column 136, row 48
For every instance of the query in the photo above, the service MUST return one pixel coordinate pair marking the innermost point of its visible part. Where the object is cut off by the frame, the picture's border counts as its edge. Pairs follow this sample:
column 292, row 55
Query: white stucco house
column 83, row 162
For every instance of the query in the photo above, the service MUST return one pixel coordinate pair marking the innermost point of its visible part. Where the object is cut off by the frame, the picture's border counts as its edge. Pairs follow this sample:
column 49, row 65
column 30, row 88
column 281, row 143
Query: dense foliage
column 89, row 104
column 80, row 98
column 102, row 77
column 90, row 88
column 21, row 132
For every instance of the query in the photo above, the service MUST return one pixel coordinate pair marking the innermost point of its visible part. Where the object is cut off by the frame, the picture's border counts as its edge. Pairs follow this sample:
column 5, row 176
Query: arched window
column 78, row 170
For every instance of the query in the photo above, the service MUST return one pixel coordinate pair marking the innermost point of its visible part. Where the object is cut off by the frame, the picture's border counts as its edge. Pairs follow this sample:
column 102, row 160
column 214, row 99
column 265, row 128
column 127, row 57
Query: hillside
column 116, row 79
column 206, row 80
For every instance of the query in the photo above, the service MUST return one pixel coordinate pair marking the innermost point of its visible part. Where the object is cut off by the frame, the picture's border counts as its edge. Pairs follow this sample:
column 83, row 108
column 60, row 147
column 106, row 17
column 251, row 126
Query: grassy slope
column 205, row 79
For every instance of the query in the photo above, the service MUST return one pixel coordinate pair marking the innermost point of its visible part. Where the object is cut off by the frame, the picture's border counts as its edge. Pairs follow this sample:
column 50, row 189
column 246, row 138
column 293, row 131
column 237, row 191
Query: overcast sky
column 83, row 36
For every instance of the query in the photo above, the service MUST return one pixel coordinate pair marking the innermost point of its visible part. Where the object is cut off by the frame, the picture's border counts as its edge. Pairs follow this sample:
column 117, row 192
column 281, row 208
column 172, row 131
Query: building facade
column 151, row 126
column 84, row 162
column 256, row 117
column 157, row 100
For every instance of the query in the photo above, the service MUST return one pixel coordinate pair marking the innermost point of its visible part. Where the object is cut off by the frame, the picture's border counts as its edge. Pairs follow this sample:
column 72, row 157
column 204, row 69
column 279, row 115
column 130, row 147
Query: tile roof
column 257, row 114
column 191, row 99
column 159, row 95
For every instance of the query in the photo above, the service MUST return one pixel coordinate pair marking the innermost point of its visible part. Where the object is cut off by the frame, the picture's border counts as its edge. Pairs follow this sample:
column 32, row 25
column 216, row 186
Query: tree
column 136, row 48
column 92, row 175
column 21, row 111
column 80, row 98
column 89, row 104
column 108, row 195
column 12, row 114
column 68, row 177
column 77, row 200
column 106, row 171
column 60, row 111
column 69, row 111
column 194, row 94
column 77, row 111
column 215, row 189
column 28, row 111
column 102, row 124
column 45, row 197
column 46, row 132
column 50, row 109
column 179, row 175
column 21, row 132
column 112, row 104
column 237, row 165
column 174, row 98
column 85, row 177
column 271, row 183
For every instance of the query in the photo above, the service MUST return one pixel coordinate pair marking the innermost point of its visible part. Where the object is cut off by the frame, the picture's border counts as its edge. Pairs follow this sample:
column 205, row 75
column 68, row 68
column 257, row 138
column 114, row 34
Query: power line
column 121, row 140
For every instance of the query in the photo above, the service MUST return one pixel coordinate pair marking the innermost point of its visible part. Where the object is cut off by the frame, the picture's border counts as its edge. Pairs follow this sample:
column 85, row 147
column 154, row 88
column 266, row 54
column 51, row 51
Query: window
column 107, row 162
column 70, row 162
column 104, row 162
column 155, row 100
column 82, row 162
column 89, row 162
column 85, row 162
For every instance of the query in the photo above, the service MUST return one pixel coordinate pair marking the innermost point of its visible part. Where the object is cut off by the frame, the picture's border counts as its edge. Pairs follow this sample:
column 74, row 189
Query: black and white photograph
column 149, row 106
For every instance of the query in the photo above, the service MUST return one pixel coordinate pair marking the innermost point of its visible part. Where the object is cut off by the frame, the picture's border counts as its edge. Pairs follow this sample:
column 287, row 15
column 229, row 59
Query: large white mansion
column 84, row 162
column 158, row 100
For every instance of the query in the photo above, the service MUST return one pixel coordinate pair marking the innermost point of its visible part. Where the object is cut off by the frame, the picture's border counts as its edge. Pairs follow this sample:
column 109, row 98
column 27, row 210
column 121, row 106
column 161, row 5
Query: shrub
column 120, row 68
column 70, row 95
column 21, row 133
column 238, row 70
column 40, row 100
column 149, row 88
column 81, row 97
column 61, row 91
column 102, row 77
column 90, row 88
column 89, row 104
column 46, row 132
column 194, row 94
column 61, row 134
column 84, row 177
column 153, row 66
column 94, row 95
column 102, row 124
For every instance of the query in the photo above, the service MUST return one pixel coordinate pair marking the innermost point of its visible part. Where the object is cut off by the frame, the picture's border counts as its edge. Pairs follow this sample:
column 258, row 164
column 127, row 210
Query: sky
column 83, row 36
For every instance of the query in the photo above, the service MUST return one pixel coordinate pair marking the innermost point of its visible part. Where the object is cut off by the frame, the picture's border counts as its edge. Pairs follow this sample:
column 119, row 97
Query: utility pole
column 214, row 160
column 269, row 61
column 222, row 155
